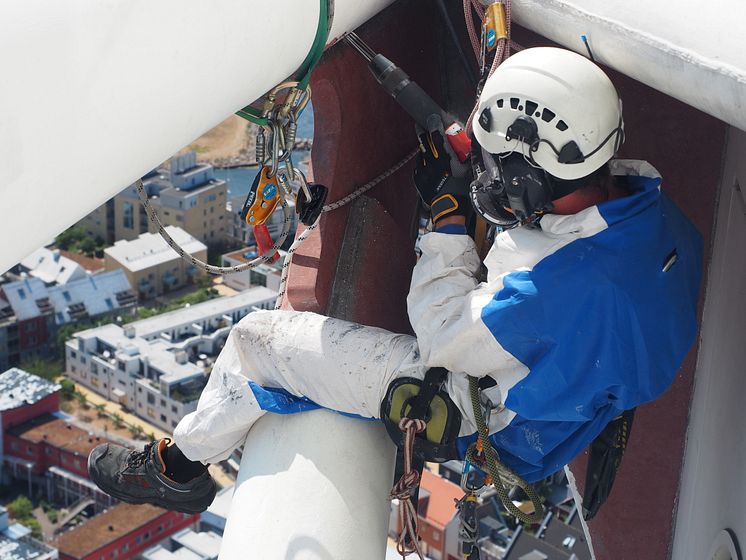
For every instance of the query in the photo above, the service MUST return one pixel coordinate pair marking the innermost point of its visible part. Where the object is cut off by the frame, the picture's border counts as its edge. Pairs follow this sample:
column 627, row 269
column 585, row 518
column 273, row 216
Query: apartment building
column 31, row 312
column 157, row 367
column 122, row 532
column 188, row 196
column 152, row 266
column 266, row 274
column 52, row 267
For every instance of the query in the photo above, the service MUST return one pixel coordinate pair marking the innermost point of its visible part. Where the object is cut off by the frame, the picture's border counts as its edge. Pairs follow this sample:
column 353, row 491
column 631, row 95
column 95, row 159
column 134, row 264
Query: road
column 95, row 399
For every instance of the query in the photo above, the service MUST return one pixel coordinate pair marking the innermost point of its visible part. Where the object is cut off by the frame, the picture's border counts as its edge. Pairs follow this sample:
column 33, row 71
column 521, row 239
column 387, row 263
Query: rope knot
column 418, row 425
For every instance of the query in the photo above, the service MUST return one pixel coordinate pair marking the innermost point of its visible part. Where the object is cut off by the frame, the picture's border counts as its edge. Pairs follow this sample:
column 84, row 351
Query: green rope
column 306, row 68
column 499, row 471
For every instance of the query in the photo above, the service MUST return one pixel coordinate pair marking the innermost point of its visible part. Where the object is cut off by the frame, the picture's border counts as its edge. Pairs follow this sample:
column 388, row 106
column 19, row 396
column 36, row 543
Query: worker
column 588, row 308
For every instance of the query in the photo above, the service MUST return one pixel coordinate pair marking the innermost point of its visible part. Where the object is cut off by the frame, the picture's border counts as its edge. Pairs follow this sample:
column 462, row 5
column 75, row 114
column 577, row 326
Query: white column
column 312, row 486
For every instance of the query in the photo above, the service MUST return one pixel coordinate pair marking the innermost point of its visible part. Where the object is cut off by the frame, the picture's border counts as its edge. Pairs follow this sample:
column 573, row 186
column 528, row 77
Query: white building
column 266, row 274
column 152, row 266
column 52, row 268
column 157, row 367
column 186, row 545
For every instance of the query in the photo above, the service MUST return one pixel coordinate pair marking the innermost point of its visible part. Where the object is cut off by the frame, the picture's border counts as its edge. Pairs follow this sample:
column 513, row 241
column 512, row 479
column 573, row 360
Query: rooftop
column 249, row 253
column 91, row 264
column 150, row 249
column 206, row 544
column 12, row 549
column 58, row 433
column 103, row 529
column 19, row 388
column 51, row 267
column 187, row 315
column 441, row 506
column 87, row 297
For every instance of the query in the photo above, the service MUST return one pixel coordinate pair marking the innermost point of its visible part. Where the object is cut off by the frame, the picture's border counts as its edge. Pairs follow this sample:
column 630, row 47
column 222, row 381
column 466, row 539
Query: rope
column 497, row 470
column 405, row 488
column 502, row 50
column 154, row 219
column 328, row 208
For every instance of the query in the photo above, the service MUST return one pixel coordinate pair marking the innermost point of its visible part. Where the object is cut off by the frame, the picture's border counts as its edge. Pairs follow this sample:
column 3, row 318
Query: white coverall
column 634, row 324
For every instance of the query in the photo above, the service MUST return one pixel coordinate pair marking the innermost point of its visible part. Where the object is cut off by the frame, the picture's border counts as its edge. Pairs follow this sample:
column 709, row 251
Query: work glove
column 441, row 179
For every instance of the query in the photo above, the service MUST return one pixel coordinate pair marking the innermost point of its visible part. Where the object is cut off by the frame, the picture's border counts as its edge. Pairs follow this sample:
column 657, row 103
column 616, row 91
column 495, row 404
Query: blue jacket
column 577, row 322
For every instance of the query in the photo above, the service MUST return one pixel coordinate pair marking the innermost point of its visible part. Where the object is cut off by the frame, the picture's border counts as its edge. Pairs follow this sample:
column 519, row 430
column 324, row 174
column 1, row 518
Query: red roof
column 441, row 506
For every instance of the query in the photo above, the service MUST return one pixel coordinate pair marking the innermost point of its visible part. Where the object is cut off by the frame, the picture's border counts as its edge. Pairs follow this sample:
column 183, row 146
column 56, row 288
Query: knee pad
column 437, row 443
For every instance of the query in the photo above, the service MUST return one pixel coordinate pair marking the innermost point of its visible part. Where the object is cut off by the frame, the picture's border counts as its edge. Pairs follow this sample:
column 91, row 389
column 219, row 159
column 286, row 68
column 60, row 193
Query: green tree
column 43, row 367
column 68, row 390
column 69, row 238
column 117, row 419
column 20, row 508
column 100, row 410
column 87, row 246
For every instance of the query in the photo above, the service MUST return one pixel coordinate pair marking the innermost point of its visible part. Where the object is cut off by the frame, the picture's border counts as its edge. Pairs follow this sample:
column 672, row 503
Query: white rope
column 153, row 216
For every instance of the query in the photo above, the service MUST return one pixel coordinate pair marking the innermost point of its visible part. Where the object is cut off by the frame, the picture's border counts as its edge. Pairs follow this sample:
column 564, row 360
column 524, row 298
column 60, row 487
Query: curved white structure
column 686, row 49
column 95, row 94
column 312, row 486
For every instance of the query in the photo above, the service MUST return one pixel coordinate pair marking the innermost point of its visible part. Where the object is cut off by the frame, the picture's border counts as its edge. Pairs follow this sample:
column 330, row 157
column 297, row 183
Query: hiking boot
column 137, row 477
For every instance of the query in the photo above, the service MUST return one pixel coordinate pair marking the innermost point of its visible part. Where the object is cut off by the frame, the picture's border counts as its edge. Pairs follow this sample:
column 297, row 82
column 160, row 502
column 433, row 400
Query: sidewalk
column 113, row 408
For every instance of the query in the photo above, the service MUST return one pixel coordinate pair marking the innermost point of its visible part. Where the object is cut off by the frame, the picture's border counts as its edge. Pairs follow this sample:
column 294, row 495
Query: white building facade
column 157, row 367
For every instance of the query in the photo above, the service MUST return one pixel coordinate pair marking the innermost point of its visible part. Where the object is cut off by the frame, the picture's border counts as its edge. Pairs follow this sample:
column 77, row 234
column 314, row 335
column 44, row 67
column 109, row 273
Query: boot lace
column 137, row 458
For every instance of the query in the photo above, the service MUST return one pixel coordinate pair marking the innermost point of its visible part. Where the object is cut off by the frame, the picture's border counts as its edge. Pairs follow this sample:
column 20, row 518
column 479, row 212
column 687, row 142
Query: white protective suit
column 577, row 322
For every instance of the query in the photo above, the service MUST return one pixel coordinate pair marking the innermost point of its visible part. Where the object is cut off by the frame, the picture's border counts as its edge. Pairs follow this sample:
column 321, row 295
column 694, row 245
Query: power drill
column 412, row 98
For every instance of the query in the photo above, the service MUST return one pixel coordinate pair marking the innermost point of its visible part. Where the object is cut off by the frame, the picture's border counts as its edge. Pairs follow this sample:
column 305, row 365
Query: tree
column 43, row 367
column 70, row 237
column 100, row 410
column 68, row 390
column 117, row 419
column 20, row 508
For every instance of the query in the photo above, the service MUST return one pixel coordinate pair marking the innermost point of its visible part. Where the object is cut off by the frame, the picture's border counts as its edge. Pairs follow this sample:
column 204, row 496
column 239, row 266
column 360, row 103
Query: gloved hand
column 441, row 180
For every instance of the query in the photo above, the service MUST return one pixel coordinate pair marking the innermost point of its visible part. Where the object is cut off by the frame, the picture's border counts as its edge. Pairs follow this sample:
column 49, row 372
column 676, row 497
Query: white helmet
column 556, row 107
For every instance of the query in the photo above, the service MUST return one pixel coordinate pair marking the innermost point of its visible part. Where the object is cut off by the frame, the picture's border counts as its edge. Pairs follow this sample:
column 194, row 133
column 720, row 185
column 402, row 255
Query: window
column 163, row 402
column 21, row 293
column 146, row 536
column 73, row 355
column 163, row 418
column 67, row 297
column 174, row 409
column 121, row 365
column 108, row 303
column 94, row 367
column 128, row 216
column 125, row 547
column 173, row 423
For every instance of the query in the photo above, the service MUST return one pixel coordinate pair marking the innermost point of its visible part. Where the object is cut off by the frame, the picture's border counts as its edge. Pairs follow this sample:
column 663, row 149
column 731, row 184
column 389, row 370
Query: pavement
column 95, row 399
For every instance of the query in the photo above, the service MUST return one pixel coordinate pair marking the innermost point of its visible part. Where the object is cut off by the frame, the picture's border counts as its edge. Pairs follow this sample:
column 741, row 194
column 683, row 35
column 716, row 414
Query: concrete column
column 312, row 486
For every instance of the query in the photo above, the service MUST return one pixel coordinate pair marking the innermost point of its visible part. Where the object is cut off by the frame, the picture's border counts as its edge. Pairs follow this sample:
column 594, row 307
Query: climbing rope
column 328, row 208
column 405, row 488
column 483, row 455
column 155, row 220
column 478, row 44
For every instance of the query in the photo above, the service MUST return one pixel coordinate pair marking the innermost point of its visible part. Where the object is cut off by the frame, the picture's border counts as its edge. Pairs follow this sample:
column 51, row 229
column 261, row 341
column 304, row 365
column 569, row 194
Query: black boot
column 138, row 477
